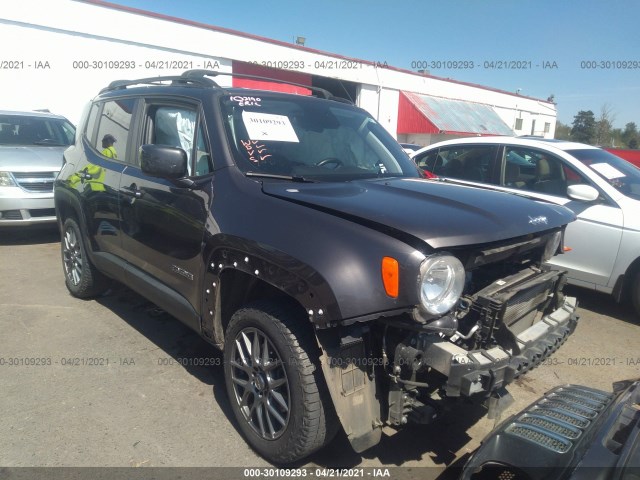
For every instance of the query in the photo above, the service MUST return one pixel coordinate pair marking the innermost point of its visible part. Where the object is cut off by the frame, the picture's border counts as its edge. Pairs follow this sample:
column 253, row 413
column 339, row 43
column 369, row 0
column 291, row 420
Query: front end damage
column 517, row 322
column 404, row 369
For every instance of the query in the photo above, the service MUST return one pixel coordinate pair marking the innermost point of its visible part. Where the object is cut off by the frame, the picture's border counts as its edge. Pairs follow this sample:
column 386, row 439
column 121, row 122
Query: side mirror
column 583, row 193
column 163, row 161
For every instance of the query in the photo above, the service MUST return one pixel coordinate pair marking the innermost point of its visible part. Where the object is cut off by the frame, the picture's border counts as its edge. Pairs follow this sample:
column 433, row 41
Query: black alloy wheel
column 82, row 279
column 274, row 383
column 260, row 383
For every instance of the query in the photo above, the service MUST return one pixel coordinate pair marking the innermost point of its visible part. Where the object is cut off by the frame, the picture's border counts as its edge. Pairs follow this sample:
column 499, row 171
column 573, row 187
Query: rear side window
column 473, row 162
column 114, row 124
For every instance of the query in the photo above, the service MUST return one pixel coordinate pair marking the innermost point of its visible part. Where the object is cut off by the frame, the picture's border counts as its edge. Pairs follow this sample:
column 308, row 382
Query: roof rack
column 200, row 78
column 194, row 74
column 174, row 79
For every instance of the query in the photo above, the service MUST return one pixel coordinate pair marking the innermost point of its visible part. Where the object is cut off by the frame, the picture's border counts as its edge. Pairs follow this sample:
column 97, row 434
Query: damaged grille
column 560, row 418
column 579, row 400
column 557, row 427
column 566, row 416
column 541, row 437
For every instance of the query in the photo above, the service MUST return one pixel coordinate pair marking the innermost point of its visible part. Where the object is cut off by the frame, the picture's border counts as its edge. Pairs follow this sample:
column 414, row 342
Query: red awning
column 425, row 114
column 259, row 70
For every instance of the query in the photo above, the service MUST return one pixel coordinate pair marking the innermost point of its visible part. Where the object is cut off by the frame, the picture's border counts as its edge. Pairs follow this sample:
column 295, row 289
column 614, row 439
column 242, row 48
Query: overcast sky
column 591, row 48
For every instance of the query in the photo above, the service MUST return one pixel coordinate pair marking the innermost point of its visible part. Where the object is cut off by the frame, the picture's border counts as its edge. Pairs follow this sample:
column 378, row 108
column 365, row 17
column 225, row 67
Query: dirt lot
column 99, row 383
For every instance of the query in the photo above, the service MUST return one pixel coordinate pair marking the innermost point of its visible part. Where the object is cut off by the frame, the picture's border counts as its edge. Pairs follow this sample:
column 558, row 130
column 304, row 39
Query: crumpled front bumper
column 485, row 371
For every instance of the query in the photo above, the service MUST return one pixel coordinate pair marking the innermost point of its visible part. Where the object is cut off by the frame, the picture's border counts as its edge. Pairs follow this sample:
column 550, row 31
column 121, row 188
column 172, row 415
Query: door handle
column 132, row 191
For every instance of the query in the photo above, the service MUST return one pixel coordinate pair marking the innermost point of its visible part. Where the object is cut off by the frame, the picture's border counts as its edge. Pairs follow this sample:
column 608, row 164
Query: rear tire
column 81, row 277
column 275, row 386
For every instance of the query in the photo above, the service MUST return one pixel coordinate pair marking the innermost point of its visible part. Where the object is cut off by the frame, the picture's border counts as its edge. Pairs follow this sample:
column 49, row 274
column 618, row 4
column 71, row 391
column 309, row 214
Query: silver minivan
column 31, row 146
column 602, row 189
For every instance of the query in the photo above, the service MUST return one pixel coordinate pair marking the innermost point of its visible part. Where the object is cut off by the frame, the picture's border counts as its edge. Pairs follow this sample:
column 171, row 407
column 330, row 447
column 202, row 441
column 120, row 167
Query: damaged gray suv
column 293, row 233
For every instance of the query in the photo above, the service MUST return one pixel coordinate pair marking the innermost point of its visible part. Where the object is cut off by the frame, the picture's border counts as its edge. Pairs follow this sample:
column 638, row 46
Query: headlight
column 552, row 246
column 6, row 180
column 441, row 282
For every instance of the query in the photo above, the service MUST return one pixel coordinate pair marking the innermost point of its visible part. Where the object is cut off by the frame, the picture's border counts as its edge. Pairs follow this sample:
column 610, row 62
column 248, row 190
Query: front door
column 163, row 221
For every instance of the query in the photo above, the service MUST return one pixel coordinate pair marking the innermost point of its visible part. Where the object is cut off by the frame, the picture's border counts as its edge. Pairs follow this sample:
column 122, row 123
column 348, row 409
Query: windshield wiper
column 292, row 178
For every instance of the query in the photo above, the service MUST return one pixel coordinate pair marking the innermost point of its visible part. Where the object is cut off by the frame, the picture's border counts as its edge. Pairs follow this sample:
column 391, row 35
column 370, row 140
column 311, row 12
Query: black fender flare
column 67, row 200
column 358, row 409
column 225, row 254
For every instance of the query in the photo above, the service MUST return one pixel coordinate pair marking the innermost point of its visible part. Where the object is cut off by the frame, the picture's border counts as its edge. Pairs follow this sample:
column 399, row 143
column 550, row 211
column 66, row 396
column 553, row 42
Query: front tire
column 81, row 277
column 275, row 388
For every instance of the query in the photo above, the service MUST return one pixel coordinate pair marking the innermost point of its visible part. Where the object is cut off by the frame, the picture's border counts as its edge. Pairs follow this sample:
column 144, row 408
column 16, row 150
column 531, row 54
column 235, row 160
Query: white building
column 58, row 54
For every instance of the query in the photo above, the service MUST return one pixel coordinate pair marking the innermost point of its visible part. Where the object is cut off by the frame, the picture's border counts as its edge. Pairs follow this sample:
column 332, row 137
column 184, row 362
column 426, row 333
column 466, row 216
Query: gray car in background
column 31, row 146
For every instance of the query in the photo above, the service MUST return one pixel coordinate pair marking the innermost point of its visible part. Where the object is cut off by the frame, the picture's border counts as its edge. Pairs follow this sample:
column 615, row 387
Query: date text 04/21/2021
column 316, row 472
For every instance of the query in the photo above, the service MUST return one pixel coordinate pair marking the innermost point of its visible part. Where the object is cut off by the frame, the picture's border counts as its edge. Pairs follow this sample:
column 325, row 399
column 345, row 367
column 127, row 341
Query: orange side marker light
column 391, row 276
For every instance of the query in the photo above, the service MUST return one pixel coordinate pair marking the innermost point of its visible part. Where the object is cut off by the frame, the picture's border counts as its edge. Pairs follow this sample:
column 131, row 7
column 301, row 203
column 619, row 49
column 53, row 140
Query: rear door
column 163, row 221
column 97, row 180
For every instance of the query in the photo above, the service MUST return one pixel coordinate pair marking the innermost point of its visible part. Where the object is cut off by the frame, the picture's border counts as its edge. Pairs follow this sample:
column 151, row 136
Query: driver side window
column 465, row 162
column 180, row 127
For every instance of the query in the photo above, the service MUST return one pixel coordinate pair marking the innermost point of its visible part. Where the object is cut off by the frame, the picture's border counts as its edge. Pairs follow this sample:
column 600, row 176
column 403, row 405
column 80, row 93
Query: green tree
column 563, row 131
column 584, row 127
column 616, row 138
column 604, row 126
column 630, row 135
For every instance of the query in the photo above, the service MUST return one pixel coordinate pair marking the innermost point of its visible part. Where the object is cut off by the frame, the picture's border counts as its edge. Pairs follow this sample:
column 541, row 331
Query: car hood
column 439, row 214
column 18, row 158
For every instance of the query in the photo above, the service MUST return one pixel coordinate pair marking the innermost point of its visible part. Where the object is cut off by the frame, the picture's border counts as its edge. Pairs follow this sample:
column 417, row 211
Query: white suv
column 602, row 189
column 31, row 146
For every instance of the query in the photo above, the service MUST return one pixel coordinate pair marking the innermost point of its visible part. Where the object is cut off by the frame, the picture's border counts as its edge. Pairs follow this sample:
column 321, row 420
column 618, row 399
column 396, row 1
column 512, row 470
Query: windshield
column 310, row 138
column 32, row 130
column 622, row 175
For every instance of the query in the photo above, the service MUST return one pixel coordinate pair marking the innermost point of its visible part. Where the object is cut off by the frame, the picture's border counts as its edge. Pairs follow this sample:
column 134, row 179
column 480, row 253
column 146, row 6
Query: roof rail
column 199, row 78
column 192, row 74
column 174, row 79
